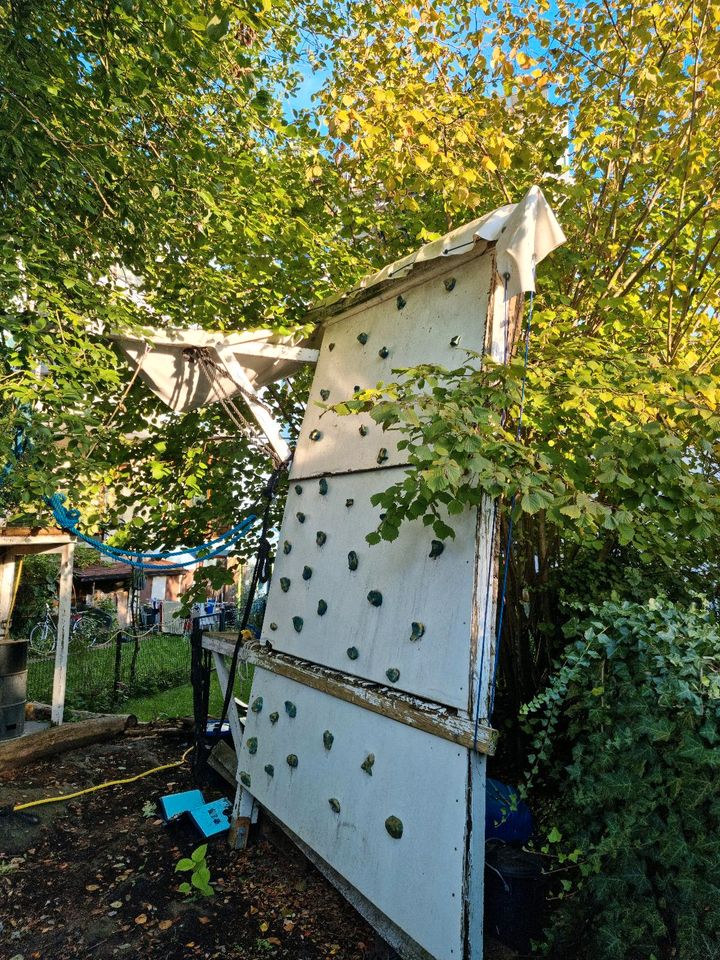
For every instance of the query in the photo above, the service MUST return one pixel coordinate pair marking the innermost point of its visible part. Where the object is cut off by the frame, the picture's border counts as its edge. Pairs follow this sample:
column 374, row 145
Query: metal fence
column 101, row 677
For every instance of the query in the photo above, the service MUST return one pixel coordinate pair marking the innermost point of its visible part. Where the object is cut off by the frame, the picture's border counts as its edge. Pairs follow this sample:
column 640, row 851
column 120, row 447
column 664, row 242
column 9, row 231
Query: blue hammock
column 68, row 519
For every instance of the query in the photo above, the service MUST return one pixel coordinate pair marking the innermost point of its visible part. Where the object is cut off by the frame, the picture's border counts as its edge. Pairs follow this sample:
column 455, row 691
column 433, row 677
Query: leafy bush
column 626, row 740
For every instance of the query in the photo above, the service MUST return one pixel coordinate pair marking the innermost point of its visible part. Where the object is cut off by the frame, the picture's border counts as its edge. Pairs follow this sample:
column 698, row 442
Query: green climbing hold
column 284, row 584
column 269, row 769
column 287, row 547
column 394, row 827
column 292, row 760
column 357, row 388
column 375, row 598
column 307, row 573
column 349, row 502
column 382, row 455
column 331, row 346
column 298, row 624
column 334, row 804
column 315, row 435
column 290, row 709
column 384, row 353
column 353, row 653
column 417, row 630
column 323, row 486
column 300, row 517
column 251, row 744
column 298, row 489
column 393, row 674
column 273, row 626
column 401, row 301
column 449, row 283
column 455, row 342
column 324, row 394
column 328, row 740
column 274, row 717
column 353, row 560
column 245, row 779
column 368, row 763
column 362, row 338
column 257, row 705
column 363, row 430
column 321, row 608
column 320, row 538
column 436, row 548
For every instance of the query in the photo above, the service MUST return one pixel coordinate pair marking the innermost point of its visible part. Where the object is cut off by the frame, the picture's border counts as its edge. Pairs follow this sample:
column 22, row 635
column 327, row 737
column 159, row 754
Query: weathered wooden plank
column 70, row 736
column 412, row 712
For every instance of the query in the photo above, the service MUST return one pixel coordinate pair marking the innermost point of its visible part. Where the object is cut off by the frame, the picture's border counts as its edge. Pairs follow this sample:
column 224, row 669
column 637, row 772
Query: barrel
column 13, row 687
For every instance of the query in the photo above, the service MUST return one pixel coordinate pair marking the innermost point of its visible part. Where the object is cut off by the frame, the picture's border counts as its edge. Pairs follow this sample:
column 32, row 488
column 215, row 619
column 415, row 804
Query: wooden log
column 71, row 736
column 223, row 760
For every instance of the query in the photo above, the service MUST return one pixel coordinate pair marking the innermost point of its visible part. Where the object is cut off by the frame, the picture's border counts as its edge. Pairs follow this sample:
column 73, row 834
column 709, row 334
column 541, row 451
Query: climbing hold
column 449, row 283
column 269, row 769
column 320, row 538
column 298, row 489
column 315, row 434
column 357, row 388
column 321, row 608
column 455, row 341
column 363, row 430
column 257, row 705
column 368, row 763
column 384, row 353
column 251, row 744
column 382, row 455
column 334, row 804
column 331, row 346
column 307, row 573
column 245, row 778
column 393, row 674
column 300, row 517
column 353, row 560
column 362, row 338
column 284, row 584
column 290, row 709
column 401, row 301
column 394, row 827
column 375, row 598
column 274, row 717
column 436, row 548
column 287, row 547
column 273, row 626
column 349, row 502
column 417, row 630
column 324, row 394
column 292, row 760
column 353, row 653
column 328, row 740
column 323, row 486
column 298, row 624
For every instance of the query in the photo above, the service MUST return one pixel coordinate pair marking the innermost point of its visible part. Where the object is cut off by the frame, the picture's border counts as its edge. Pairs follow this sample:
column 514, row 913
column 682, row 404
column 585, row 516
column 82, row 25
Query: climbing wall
column 384, row 804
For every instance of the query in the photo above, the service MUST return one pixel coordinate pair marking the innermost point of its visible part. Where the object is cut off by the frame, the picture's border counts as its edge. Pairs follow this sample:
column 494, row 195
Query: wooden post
column 8, row 562
column 63, row 633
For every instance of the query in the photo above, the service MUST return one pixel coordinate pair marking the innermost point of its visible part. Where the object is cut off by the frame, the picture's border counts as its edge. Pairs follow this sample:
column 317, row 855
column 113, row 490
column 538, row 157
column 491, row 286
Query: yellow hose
column 101, row 786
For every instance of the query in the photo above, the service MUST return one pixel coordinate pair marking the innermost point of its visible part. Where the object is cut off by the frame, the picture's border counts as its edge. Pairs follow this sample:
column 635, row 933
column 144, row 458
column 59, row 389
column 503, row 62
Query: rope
column 508, row 543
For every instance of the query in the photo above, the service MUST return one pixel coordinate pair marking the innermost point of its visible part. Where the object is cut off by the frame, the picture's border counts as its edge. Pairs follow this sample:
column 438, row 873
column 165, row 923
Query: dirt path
column 95, row 878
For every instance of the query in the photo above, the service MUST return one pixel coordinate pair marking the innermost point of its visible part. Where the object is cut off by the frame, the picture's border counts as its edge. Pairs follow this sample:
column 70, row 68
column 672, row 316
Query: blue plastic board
column 173, row 804
column 212, row 818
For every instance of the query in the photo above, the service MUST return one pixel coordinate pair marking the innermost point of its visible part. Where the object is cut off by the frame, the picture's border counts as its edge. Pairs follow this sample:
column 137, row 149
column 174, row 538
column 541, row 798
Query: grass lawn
column 178, row 702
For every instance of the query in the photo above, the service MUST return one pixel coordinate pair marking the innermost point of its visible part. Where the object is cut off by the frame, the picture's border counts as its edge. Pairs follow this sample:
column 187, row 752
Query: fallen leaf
column 288, row 926
column 116, row 904
column 141, row 918
column 264, row 926
column 92, row 887
column 274, row 941
column 165, row 924
column 204, row 920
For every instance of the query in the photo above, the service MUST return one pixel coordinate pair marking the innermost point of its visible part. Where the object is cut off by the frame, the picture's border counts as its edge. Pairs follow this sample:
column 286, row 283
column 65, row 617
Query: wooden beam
column 279, row 351
column 432, row 719
column 71, row 736
column 63, row 633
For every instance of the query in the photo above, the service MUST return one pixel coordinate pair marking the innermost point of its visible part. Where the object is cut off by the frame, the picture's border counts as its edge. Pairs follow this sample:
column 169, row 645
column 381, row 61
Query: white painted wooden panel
column 417, row 881
column 437, row 593
column 419, row 333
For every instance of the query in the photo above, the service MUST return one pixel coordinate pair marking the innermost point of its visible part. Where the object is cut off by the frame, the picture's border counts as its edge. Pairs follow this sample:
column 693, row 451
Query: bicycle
column 90, row 627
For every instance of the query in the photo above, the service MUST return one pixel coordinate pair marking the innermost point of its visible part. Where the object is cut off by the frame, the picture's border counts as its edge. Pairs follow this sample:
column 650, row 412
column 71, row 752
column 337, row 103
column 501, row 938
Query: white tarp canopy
column 193, row 368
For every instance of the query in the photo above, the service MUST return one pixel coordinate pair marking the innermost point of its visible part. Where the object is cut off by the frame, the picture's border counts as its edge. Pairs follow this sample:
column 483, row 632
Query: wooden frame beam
column 435, row 719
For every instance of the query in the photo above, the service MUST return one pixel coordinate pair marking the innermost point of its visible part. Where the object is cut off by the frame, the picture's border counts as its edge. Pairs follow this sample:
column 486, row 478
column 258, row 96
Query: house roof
column 123, row 571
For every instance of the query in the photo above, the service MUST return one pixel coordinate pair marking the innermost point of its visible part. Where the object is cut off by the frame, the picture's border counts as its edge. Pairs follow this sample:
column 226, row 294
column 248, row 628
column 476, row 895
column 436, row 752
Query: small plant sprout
column 196, row 865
